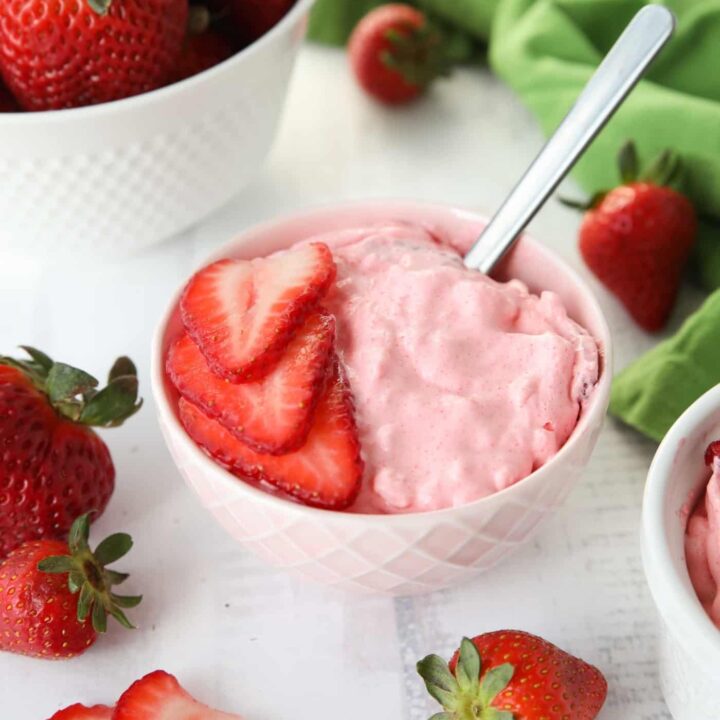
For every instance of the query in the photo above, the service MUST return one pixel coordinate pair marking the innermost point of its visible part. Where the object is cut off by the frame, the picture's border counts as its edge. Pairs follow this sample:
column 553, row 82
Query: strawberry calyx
column 417, row 53
column 101, row 7
column 88, row 576
column 664, row 170
column 74, row 393
column 712, row 452
column 464, row 695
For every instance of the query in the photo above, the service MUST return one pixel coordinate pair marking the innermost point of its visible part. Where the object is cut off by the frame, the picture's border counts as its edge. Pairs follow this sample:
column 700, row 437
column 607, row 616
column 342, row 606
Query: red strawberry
column 325, row 472
column 49, row 589
column 395, row 53
column 512, row 675
column 67, row 54
column 53, row 467
column 159, row 696
column 637, row 239
column 243, row 313
column 255, row 17
column 712, row 452
column 272, row 415
column 80, row 712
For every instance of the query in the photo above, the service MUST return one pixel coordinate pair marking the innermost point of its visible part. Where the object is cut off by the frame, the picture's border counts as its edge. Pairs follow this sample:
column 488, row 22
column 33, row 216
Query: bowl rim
column 677, row 604
column 135, row 102
column 169, row 419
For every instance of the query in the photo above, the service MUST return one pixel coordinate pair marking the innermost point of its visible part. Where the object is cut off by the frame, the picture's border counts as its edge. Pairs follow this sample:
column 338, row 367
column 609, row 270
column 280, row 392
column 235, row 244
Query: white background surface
column 253, row 640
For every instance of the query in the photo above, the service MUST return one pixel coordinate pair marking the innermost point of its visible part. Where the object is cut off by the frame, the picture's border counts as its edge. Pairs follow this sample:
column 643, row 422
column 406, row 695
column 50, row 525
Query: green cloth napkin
column 655, row 390
column 546, row 51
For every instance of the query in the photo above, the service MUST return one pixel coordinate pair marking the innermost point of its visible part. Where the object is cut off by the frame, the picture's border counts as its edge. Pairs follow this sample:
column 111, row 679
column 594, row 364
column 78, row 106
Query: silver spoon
column 616, row 76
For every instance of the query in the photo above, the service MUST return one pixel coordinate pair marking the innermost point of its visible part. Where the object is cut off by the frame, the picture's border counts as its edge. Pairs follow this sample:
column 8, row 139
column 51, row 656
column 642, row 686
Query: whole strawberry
column 55, row 596
column 53, row 467
column 512, row 675
column 637, row 238
column 395, row 53
column 61, row 54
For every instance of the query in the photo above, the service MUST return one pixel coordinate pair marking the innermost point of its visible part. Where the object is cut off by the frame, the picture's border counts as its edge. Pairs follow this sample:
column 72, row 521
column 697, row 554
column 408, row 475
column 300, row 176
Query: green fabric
column 332, row 21
column 654, row 391
column 546, row 51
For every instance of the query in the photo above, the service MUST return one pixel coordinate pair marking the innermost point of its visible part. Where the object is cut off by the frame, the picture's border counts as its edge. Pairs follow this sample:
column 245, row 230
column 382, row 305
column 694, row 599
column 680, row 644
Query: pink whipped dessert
column 463, row 385
column 702, row 540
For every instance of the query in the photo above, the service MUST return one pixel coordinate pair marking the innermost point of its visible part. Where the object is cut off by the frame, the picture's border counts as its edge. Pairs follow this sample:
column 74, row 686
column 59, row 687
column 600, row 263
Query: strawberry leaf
column 79, row 534
column 56, row 564
column 468, row 668
column 38, row 357
column 122, row 366
column 112, row 548
column 495, row 681
column 99, row 618
column 439, row 681
column 127, row 601
column 628, row 162
column 84, row 602
column 114, row 404
column 65, row 382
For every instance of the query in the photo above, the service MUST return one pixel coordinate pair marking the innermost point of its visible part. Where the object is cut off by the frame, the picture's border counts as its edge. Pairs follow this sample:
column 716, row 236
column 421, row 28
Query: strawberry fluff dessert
column 368, row 370
column 702, row 539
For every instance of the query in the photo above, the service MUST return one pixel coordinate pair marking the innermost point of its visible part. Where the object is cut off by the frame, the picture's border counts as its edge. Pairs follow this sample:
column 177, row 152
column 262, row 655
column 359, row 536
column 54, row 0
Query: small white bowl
column 122, row 175
column 389, row 554
column 689, row 641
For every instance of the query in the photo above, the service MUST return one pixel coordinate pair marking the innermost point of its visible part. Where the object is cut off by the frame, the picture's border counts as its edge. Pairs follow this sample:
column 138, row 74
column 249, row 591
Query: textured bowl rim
column 589, row 419
column 135, row 102
column 677, row 604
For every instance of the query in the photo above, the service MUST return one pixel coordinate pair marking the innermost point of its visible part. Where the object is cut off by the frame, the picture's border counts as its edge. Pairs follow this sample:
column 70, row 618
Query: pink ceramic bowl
column 389, row 554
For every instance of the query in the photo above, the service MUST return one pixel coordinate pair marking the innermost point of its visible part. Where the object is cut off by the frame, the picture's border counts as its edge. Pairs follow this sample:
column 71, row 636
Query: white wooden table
column 253, row 640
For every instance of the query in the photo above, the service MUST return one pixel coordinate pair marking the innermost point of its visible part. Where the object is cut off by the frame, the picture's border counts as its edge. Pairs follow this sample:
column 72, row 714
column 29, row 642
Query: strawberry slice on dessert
column 243, row 313
column 325, row 472
column 159, row 696
column 81, row 712
column 272, row 415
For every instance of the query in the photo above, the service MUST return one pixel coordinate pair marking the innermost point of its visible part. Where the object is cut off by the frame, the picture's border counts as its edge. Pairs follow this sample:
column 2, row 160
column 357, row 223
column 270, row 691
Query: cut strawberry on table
column 53, row 466
column 81, row 712
column 637, row 238
column 242, row 313
column 325, row 472
column 68, row 54
column 512, row 675
column 55, row 596
column 159, row 696
column 272, row 415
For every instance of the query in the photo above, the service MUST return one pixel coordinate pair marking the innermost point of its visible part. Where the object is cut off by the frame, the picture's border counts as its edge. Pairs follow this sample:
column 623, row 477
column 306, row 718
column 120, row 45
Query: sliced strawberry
column 242, row 313
column 159, row 696
column 80, row 712
column 325, row 472
column 272, row 415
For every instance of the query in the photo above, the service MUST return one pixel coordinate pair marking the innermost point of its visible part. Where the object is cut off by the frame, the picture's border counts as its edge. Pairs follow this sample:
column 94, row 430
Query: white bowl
column 689, row 641
column 122, row 175
column 389, row 554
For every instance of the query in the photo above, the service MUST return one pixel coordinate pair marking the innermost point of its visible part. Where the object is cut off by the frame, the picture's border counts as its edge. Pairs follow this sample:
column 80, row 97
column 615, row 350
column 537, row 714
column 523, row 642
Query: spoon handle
column 618, row 73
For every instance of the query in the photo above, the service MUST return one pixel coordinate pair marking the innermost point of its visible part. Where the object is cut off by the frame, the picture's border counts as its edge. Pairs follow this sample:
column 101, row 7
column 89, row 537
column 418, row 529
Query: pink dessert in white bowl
column 447, row 365
column 476, row 402
column 702, row 539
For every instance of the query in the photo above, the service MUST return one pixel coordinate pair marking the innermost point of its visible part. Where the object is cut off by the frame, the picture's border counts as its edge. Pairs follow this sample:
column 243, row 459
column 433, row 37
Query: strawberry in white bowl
column 373, row 494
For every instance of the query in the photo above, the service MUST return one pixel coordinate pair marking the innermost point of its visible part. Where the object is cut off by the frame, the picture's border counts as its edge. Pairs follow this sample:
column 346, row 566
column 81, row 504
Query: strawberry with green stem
column 512, row 675
column 637, row 237
column 395, row 53
column 55, row 597
column 54, row 467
